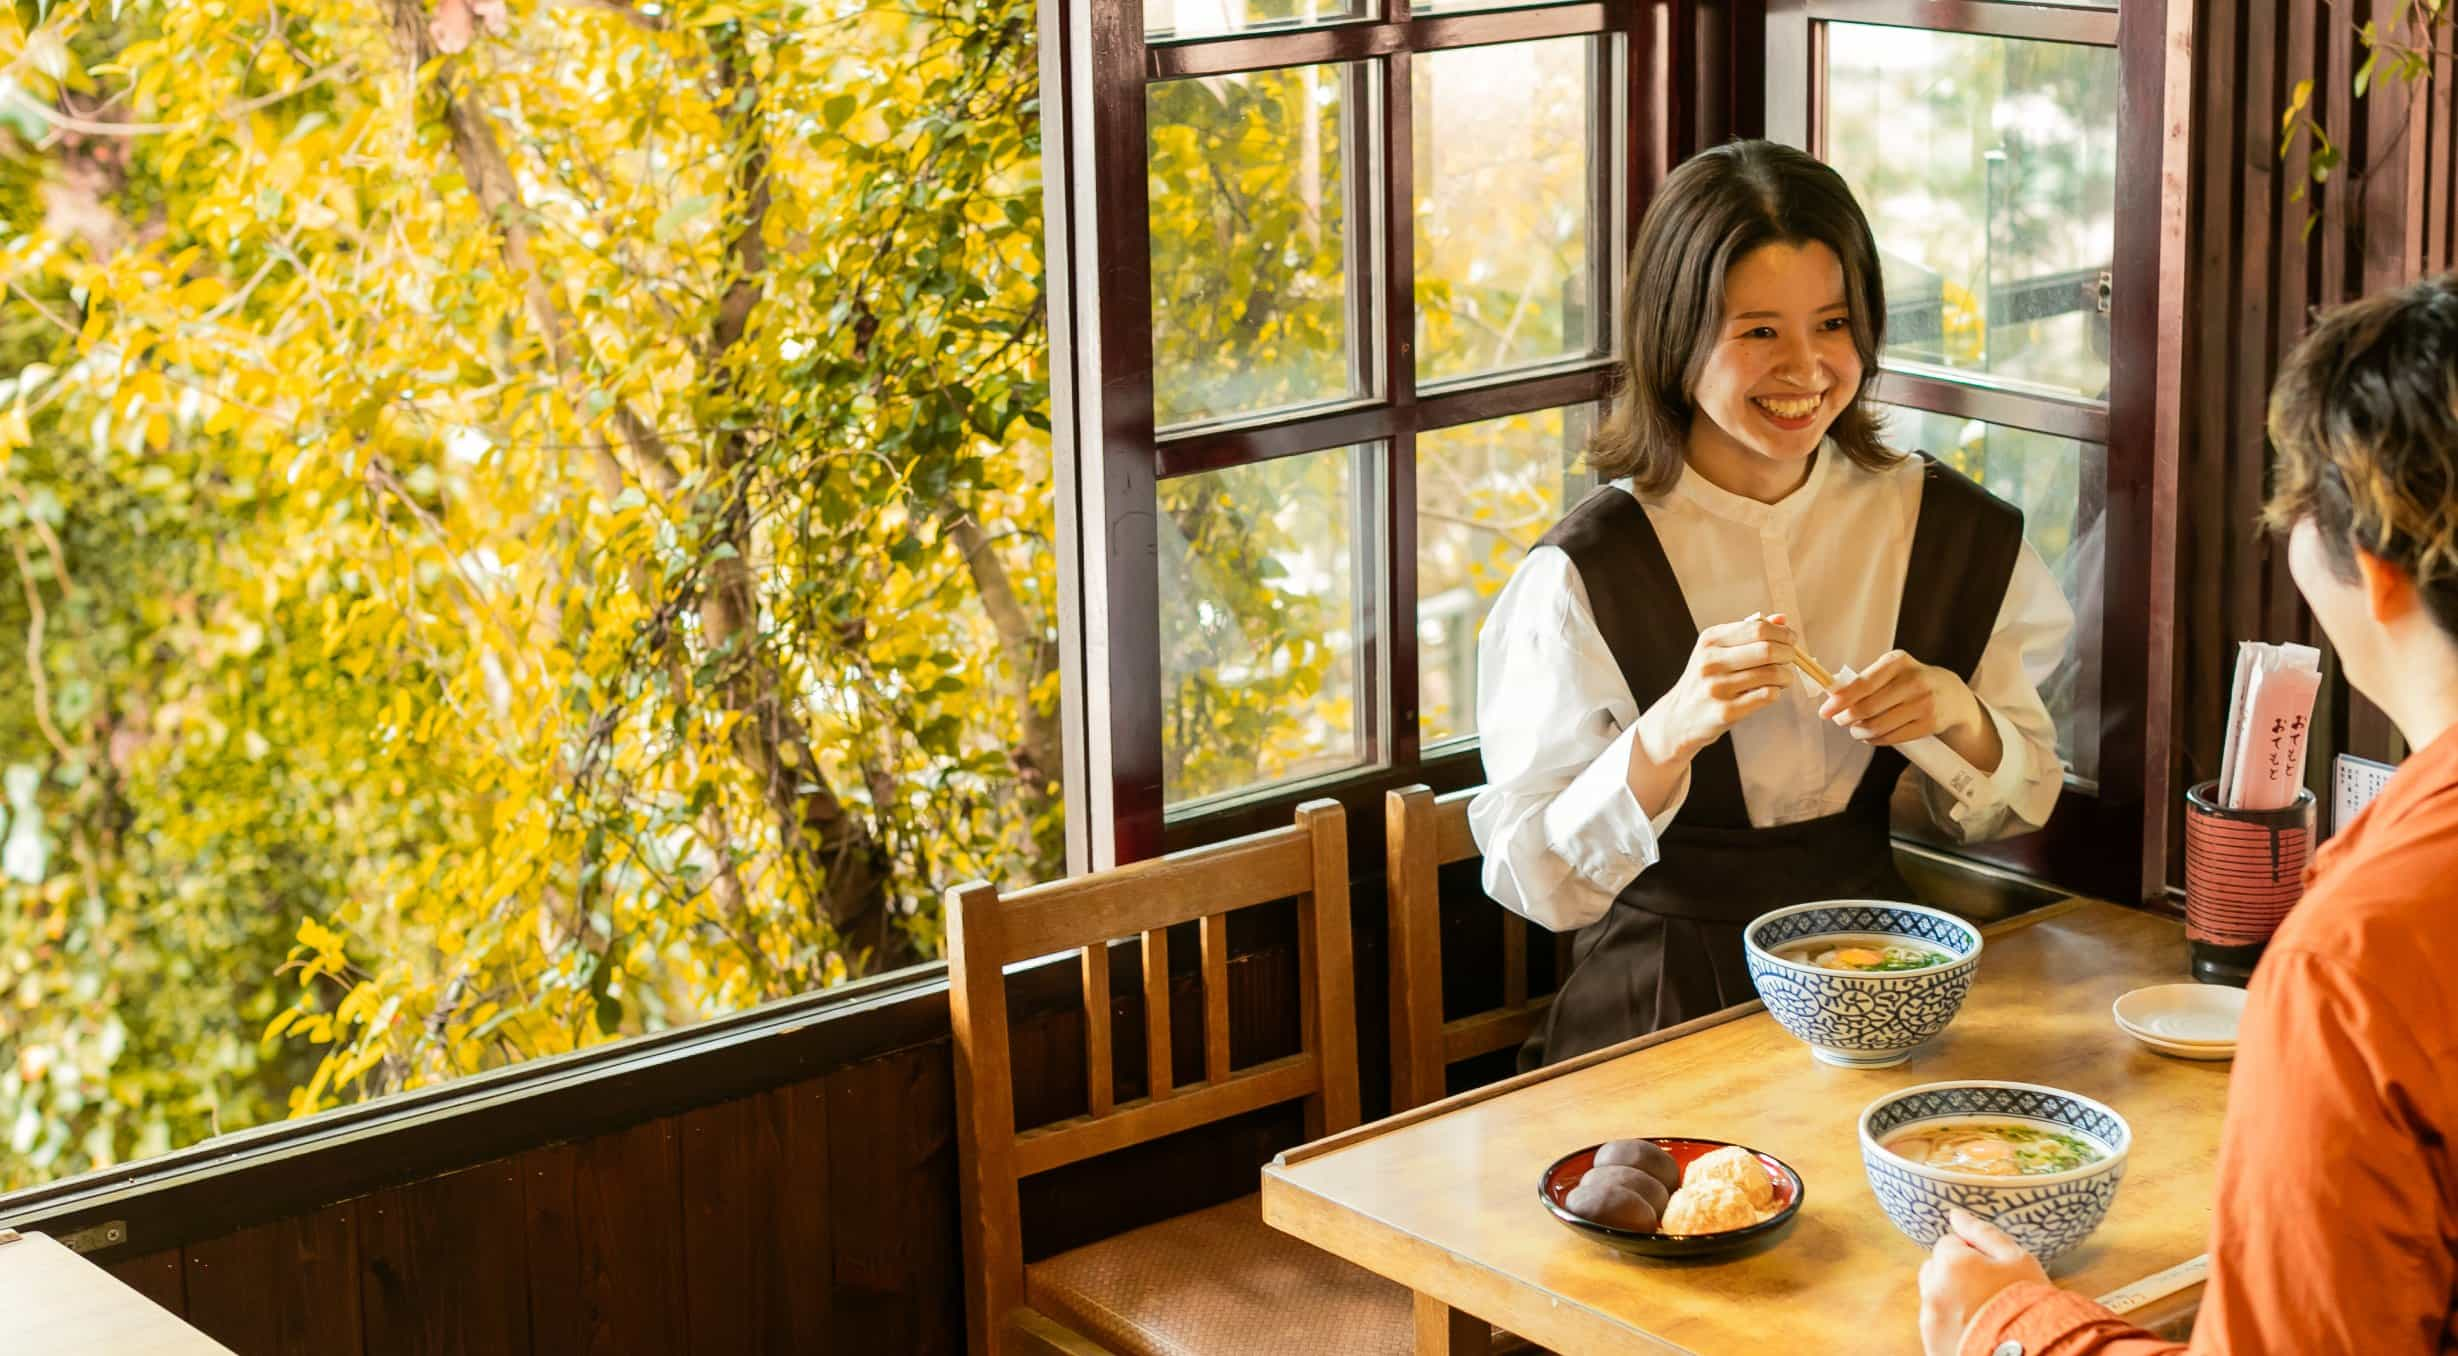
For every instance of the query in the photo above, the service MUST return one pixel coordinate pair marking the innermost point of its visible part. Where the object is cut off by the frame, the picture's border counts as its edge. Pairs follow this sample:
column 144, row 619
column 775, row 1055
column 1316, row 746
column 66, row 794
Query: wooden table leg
column 1445, row 1331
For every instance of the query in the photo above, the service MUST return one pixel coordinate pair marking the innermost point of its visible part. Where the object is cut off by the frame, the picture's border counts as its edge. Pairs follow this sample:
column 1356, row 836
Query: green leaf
column 674, row 218
column 836, row 110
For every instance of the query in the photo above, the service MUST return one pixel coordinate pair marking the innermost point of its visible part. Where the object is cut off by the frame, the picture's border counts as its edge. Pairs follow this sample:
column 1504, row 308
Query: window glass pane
column 1259, row 623
column 382, row 723
column 1466, row 6
column 1503, row 154
column 1988, row 169
column 1485, row 493
column 1252, row 293
column 2061, row 487
column 1167, row 19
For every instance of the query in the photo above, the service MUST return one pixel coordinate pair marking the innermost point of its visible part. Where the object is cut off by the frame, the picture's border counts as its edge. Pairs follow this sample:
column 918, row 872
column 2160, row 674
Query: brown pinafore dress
column 1669, row 948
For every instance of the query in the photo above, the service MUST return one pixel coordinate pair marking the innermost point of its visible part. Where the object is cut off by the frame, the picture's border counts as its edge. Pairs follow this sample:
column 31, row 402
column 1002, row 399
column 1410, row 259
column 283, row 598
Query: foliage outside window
column 1987, row 166
column 530, row 524
column 1269, row 268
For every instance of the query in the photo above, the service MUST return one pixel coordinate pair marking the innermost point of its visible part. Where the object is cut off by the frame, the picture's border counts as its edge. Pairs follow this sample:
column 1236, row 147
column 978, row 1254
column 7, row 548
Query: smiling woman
column 1656, row 775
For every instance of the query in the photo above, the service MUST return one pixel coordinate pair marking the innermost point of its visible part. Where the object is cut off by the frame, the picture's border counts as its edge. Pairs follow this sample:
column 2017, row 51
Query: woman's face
column 1783, row 366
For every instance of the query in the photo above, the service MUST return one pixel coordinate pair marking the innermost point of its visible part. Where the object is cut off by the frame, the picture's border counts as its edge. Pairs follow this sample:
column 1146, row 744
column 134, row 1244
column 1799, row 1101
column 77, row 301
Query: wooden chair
column 1218, row 1279
column 1423, row 834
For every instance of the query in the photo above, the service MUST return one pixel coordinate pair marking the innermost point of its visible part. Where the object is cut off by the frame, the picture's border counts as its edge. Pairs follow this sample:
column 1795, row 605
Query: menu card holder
column 2353, row 784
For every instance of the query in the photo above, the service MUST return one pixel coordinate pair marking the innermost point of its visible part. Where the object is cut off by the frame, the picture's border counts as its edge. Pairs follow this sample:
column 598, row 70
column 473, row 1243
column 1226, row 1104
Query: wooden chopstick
column 1816, row 671
column 2158, row 1286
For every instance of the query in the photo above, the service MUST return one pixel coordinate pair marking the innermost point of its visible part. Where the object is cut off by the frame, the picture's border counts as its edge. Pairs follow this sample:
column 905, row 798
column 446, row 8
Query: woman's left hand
column 1901, row 699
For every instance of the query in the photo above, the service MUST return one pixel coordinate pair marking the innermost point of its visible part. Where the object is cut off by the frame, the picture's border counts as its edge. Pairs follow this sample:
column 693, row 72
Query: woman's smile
column 1792, row 413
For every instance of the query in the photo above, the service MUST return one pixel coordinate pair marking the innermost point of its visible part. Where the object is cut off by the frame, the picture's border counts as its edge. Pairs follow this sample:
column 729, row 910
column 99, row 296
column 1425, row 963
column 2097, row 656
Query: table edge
column 1289, row 1158
column 1562, row 1323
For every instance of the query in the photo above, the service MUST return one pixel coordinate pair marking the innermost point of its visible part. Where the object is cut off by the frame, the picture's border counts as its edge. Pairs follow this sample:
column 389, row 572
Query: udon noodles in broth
column 1867, row 954
column 1993, row 1147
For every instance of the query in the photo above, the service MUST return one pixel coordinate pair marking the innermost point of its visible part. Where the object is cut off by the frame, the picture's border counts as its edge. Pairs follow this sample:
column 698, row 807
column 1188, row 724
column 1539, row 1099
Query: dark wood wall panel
column 757, row 1247
column 2268, row 253
column 158, row 1276
column 444, row 1267
column 892, row 1190
column 289, row 1288
column 605, row 1242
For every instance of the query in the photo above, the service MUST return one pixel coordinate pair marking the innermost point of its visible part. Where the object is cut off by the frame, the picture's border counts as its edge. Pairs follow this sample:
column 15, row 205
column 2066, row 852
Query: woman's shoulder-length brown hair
column 1711, row 212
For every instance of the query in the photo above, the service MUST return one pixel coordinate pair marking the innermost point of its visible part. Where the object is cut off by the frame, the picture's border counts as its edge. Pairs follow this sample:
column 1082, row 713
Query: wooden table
column 1443, row 1199
column 53, row 1300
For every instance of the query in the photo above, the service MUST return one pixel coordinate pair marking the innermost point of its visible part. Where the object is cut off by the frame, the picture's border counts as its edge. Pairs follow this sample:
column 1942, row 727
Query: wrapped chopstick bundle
column 1929, row 753
column 2261, row 766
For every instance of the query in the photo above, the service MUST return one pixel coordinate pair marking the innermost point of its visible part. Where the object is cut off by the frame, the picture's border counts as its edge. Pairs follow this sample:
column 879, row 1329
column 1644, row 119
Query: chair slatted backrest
column 1423, row 834
column 987, row 932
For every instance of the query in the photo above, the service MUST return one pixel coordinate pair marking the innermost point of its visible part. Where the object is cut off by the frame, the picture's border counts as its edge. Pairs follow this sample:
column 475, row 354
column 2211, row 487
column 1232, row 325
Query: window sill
column 284, row 1168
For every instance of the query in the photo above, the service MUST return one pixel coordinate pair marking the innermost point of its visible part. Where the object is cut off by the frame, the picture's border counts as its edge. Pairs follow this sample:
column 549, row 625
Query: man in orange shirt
column 2336, row 1227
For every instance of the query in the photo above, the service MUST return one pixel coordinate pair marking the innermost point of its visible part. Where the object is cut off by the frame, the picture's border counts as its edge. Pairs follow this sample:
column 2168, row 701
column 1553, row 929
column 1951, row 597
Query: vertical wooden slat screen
column 2265, row 259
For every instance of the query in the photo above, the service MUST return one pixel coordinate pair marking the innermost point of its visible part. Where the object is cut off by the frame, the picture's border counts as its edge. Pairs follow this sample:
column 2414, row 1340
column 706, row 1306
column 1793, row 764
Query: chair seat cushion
column 1220, row 1280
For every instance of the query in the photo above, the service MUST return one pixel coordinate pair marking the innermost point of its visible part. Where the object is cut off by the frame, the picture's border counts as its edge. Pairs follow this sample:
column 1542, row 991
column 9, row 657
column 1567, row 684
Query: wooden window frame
column 2109, row 839
column 1110, row 457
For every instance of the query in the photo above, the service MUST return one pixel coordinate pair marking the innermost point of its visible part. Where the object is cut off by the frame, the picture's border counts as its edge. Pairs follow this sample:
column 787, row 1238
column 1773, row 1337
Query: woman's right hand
column 1735, row 669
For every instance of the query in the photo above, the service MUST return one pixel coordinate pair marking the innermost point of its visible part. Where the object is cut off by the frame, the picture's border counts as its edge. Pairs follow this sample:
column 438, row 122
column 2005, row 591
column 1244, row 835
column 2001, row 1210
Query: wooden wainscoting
column 816, row 1217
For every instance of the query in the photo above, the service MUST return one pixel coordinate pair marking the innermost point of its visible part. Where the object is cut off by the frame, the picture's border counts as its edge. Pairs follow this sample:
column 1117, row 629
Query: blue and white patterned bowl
column 2047, row 1213
column 1861, row 1021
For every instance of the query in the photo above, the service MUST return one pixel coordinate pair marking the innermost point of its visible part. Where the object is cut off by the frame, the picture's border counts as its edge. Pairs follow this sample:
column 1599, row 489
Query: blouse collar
column 1781, row 516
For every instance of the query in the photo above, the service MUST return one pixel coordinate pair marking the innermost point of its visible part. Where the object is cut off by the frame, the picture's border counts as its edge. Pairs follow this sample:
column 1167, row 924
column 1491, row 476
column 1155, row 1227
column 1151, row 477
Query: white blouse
column 1561, row 832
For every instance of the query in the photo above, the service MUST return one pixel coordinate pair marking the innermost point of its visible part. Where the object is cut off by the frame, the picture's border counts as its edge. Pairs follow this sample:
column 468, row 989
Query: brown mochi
column 1629, row 1178
column 1646, row 1156
column 1613, row 1205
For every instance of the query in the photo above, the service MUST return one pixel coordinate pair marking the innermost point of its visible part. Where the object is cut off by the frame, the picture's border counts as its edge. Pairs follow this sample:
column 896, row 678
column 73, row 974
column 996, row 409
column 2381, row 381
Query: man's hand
column 1972, row 1261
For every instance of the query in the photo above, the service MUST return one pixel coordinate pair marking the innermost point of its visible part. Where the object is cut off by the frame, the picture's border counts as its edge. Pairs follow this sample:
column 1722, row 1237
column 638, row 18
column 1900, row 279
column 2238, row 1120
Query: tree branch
column 1044, row 751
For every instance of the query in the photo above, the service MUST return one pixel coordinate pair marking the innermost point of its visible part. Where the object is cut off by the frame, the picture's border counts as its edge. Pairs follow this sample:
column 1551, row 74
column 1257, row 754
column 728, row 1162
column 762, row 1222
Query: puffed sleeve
column 1561, row 832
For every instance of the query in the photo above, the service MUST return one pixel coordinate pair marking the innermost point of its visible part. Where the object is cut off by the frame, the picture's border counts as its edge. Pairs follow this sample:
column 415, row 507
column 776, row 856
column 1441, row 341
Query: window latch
column 109, row 1234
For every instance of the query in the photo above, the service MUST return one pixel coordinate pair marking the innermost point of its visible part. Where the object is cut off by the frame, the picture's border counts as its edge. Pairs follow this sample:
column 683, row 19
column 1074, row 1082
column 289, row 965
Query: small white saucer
column 2184, row 1015
column 2205, row 1050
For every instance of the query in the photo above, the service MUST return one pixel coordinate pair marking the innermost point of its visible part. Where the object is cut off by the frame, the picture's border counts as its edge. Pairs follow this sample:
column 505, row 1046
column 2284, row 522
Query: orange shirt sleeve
column 2330, row 1233
column 2041, row 1320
